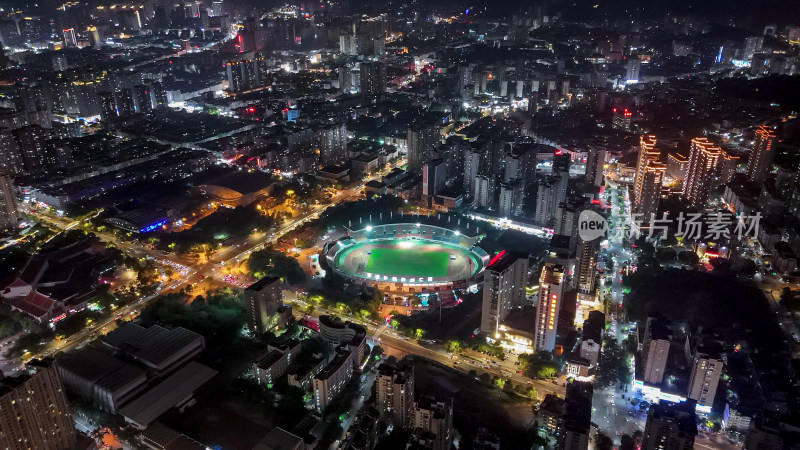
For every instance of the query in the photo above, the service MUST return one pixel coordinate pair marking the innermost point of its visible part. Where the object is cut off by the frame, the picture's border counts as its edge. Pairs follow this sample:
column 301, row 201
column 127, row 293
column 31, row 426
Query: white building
column 504, row 283
column 551, row 291
column 330, row 382
column 703, row 382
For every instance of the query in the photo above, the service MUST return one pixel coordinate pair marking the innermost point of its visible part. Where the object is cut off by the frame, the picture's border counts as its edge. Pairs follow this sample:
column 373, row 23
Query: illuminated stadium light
column 403, row 255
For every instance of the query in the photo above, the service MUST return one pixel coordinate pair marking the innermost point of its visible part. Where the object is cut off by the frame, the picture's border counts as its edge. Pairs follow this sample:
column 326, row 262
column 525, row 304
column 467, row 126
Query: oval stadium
column 407, row 258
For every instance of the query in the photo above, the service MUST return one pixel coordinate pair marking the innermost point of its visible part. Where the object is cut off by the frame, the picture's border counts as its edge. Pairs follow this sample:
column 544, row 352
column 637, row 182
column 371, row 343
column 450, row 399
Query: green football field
column 407, row 262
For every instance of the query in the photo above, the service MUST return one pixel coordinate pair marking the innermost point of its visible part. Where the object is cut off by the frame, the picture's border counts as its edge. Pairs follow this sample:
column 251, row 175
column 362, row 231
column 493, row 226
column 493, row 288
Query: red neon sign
column 497, row 257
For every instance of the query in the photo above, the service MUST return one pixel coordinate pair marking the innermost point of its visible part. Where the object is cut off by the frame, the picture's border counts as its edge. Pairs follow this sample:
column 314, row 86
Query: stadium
column 407, row 258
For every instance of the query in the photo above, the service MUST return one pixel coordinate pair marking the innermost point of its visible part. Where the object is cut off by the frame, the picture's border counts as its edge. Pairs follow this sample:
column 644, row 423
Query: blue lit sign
column 152, row 226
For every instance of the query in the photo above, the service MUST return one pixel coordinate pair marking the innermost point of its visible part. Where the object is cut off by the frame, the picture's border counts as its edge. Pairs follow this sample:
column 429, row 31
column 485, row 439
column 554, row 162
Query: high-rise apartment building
column 331, row 141
column 160, row 99
column 32, row 144
column 587, row 265
column 143, row 98
column 484, row 191
column 125, row 104
column 420, row 141
column 434, row 176
column 752, row 45
column 435, row 417
column 594, row 166
column 761, row 157
column 670, row 426
column 727, row 167
column 262, row 300
column 34, row 413
column 703, row 382
column 512, row 198
column 394, row 394
column 551, row 291
column 552, row 191
column 655, row 349
column 546, row 193
column 332, row 379
column 504, row 283
column 677, row 165
column 577, row 416
column 472, row 163
column 648, row 178
column 9, row 212
column 373, row 77
column 108, row 106
column 703, row 160
column 633, row 69
column 10, row 158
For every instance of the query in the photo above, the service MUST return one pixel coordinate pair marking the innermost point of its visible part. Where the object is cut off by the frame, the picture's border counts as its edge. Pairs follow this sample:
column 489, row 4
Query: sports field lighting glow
column 429, row 257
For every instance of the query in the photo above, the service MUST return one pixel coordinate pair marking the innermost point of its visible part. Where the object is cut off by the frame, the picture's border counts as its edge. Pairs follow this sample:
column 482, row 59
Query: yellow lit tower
column 703, row 160
column 648, row 179
column 761, row 156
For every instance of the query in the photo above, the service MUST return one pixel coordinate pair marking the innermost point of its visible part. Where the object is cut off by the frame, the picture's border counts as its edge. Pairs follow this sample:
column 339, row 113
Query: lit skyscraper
column 373, row 77
column 594, row 166
column 704, row 380
column 647, row 153
column 9, row 214
column 648, row 179
column 703, row 159
column 420, row 140
column 761, row 156
column 587, row 265
column 262, row 301
column 551, row 291
column 34, row 413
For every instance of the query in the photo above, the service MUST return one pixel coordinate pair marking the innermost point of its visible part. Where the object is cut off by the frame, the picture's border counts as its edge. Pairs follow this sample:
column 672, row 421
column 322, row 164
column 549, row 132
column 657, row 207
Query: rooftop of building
column 243, row 182
column 374, row 184
column 683, row 414
column 158, row 435
column 366, row 157
column 334, row 170
column 594, row 326
column 262, row 283
column 504, row 259
column 155, row 345
column 521, row 320
column 335, row 322
column 578, row 404
column 552, row 273
column 658, row 329
column 279, row 439
column 552, row 404
column 172, row 390
column 101, row 368
column 342, row 357
column 439, row 408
